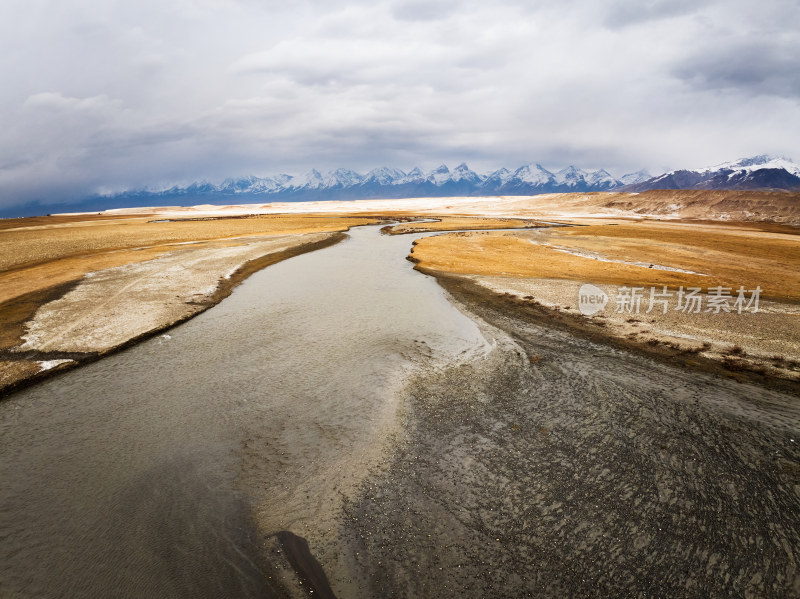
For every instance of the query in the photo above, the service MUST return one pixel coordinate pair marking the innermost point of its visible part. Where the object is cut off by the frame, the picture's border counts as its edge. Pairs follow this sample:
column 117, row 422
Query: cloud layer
column 107, row 95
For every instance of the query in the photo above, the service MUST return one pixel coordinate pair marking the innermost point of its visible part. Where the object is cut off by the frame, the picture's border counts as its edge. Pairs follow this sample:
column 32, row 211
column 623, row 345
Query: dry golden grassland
column 548, row 266
column 46, row 251
column 722, row 254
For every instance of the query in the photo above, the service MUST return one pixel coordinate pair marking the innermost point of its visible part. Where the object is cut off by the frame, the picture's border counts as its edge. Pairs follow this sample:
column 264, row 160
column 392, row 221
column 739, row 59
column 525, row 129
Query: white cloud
column 59, row 102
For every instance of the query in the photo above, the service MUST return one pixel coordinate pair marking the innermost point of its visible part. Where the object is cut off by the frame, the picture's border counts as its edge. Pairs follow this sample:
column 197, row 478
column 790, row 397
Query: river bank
column 662, row 262
column 510, row 296
column 59, row 328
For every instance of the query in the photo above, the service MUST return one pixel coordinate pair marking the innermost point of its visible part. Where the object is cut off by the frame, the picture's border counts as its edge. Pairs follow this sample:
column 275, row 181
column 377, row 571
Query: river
column 142, row 474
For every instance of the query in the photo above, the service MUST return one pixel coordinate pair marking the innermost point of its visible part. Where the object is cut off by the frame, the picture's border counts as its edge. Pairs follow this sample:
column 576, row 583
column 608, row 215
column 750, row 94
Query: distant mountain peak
column 754, row 163
column 602, row 177
column 533, row 174
column 439, row 175
column 637, row 177
column 756, row 172
column 570, row 175
column 383, row 175
column 463, row 174
column 760, row 160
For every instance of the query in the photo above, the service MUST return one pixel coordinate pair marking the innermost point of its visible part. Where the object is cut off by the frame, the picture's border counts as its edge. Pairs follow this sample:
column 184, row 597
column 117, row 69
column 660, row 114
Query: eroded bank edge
column 486, row 303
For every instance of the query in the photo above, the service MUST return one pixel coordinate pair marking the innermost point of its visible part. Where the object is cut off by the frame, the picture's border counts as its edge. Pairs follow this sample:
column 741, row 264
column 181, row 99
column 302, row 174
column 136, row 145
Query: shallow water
column 138, row 475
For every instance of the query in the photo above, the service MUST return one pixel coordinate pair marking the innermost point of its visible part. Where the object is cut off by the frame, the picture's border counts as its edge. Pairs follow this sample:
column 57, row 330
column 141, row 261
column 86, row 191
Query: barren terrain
column 717, row 205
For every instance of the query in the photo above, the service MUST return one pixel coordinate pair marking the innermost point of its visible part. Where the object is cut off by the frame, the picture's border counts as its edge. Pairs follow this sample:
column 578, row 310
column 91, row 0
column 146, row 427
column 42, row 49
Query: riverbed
column 149, row 472
column 424, row 444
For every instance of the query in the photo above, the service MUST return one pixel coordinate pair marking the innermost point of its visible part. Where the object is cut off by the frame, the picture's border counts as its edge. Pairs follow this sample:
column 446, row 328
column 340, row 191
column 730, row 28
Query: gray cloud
column 423, row 10
column 753, row 67
column 106, row 94
column 624, row 13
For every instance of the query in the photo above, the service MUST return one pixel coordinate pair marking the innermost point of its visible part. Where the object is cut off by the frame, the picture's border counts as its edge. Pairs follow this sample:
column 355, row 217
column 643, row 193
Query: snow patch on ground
column 50, row 364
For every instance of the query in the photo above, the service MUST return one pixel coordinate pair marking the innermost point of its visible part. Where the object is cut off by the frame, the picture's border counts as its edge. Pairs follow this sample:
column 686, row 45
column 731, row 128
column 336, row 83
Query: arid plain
column 74, row 287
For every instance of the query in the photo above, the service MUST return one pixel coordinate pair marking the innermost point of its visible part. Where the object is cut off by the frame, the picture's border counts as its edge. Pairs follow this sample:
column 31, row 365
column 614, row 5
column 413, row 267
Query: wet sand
column 558, row 466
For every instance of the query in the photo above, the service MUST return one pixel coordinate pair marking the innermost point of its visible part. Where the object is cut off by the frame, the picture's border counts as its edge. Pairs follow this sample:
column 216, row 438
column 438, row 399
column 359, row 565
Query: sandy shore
column 767, row 342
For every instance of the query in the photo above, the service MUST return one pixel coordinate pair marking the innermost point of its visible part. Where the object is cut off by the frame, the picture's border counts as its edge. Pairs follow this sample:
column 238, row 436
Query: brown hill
column 770, row 206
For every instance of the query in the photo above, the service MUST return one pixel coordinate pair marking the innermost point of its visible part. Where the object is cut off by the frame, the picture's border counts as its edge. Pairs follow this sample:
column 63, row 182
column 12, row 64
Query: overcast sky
column 113, row 94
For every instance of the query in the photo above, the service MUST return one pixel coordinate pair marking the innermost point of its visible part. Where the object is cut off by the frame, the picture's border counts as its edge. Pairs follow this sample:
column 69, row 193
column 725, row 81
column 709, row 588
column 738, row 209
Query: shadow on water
column 199, row 541
column 174, row 530
column 305, row 565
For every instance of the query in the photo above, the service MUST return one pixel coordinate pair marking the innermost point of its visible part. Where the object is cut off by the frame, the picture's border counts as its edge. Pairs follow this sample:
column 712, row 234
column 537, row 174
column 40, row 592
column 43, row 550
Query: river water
column 142, row 475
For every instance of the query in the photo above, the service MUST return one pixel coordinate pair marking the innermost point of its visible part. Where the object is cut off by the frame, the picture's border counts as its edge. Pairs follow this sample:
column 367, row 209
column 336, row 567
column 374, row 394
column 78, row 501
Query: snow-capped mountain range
column 757, row 172
column 389, row 182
